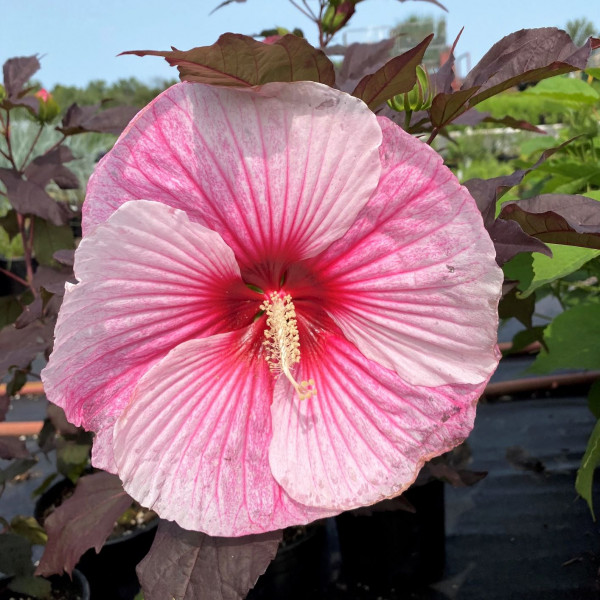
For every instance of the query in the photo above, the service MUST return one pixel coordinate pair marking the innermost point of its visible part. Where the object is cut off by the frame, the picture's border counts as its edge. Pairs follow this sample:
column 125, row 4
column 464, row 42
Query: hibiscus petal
column 414, row 282
column 193, row 443
column 279, row 171
column 366, row 434
column 149, row 280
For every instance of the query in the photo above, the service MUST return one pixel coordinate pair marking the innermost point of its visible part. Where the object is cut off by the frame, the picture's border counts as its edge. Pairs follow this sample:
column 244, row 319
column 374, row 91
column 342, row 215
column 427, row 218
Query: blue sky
column 79, row 39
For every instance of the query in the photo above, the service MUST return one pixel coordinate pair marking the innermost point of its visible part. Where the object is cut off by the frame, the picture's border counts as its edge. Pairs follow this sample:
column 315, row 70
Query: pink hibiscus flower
column 285, row 306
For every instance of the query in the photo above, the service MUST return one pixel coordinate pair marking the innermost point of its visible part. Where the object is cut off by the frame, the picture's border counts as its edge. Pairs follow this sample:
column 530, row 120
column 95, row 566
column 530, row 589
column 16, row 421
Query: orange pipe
column 18, row 428
column 34, row 388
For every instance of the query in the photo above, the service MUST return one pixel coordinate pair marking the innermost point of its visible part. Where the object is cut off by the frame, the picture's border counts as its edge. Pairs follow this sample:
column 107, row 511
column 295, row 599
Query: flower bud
column 48, row 107
column 2, row 92
column 338, row 13
column 419, row 98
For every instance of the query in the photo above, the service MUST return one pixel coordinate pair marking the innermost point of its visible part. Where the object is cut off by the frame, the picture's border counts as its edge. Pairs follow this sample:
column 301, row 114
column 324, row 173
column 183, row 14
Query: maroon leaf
column 83, row 521
column 455, row 477
column 50, row 166
column 225, row 3
column 523, row 56
column 53, row 279
column 12, row 447
column 431, row 1
column 360, row 60
column 30, row 313
column 186, row 565
column 4, row 406
column 473, row 117
column 17, row 72
column 558, row 219
column 444, row 77
column 509, row 240
column 57, row 417
column 65, row 257
column 240, row 61
column 447, row 107
column 82, row 119
column 397, row 76
column 18, row 347
column 28, row 198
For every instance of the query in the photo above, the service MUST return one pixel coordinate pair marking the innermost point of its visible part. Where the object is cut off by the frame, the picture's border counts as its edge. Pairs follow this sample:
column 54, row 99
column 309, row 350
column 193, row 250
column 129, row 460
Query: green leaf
column 594, row 72
column 565, row 260
column 513, row 306
column 49, row 238
column 15, row 555
column 397, row 76
column 594, row 399
column 30, row 529
column 10, row 309
column 520, row 268
column 522, row 339
column 18, row 380
column 594, row 194
column 565, row 89
column 585, row 474
column 236, row 60
column 37, row 587
column 573, row 341
column 72, row 459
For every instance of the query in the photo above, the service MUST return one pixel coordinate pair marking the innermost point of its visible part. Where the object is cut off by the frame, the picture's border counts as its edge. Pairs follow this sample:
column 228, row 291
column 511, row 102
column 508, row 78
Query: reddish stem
column 27, row 238
column 13, row 276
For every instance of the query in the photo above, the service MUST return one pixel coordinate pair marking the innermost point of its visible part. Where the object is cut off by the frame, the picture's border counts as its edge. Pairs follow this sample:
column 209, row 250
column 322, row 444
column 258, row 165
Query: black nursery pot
column 395, row 549
column 300, row 569
column 8, row 286
column 63, row 588
column 110, row 572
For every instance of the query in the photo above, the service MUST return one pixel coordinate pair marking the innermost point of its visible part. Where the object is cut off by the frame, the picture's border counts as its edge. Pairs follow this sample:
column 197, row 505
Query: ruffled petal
column 414, row 282
column 149, row 279
column 366, row 434
column 280, row 171
column 193, row 443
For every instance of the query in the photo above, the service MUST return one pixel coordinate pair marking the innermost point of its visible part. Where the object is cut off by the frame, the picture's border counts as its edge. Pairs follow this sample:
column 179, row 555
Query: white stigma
column 283, row 342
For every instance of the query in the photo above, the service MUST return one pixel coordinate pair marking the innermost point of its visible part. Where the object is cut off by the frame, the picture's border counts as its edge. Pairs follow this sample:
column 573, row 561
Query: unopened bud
column 419, row 98
column 48, row 107
column 338, row 13
column 2, row 92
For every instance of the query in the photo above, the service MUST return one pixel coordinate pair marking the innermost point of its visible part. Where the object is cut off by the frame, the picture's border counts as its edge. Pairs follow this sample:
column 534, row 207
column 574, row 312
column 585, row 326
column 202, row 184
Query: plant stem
column 407, row 118
column 27, row 239
column 433, row 135
column 35, row 141
column 303, row 10
column 10, row 156
column 13, row 276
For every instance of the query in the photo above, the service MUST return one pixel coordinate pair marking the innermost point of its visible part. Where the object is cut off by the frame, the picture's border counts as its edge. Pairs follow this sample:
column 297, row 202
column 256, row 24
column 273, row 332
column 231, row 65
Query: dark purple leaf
column 28, row 198
column 59, row 421
column 397, row 76
column 447, row 107
column 65, row 257
column 509, row 240
column 512, row 306
column 455, row 477
column 187, row 565
column 82, row 119
column 30, row 313
column 18, row 347
column 431, row 1
column 4, row 406
column 360, row 60
column 50, row 166
column 524, row 56
column 444, row 77
column 15, row 554
column 240, row 61
column 225, row 4
column 473, row 117
column 557, row 219
column 12, row 447
column 83, row 521
column 17, row 72
column 53, row 279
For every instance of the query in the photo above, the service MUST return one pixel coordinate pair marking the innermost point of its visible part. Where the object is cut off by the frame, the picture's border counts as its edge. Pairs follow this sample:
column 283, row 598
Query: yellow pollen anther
column 283, row 342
